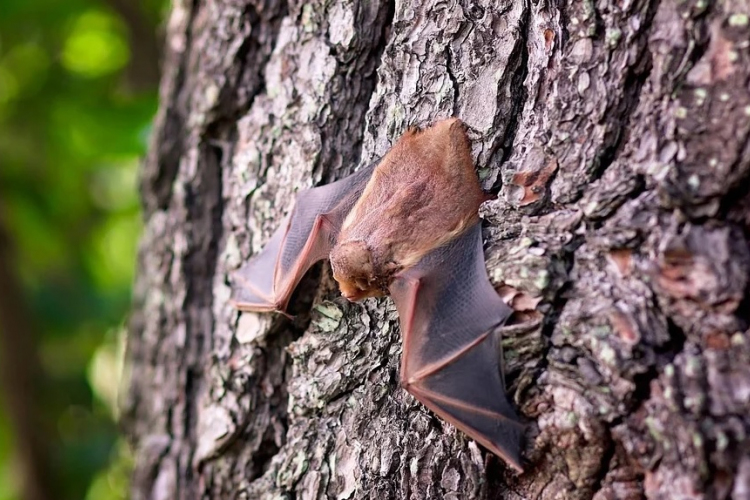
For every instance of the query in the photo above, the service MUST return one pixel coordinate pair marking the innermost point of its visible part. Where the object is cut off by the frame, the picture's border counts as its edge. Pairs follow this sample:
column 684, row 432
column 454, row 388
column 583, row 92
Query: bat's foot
column 286, row 314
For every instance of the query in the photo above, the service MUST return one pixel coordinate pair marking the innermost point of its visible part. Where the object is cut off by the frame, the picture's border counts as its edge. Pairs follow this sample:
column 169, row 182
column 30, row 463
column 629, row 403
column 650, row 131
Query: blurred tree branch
column 143, row 71
column 20, row 376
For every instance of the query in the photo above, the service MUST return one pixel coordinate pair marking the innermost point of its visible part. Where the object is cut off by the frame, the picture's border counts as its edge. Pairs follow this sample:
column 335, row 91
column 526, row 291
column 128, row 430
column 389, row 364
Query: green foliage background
column 72, row 131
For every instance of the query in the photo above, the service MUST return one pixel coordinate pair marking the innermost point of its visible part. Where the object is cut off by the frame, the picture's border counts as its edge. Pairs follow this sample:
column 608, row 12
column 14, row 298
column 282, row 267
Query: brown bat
column 408, row 226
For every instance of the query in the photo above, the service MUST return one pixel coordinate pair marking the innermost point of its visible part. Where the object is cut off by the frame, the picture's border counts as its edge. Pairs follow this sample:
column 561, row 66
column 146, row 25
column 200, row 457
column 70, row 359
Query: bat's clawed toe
column 279, row 305
column 404, row 382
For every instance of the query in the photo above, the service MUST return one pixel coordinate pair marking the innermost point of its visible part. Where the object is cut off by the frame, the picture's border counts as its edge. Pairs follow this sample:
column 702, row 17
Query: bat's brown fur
column 423, row 193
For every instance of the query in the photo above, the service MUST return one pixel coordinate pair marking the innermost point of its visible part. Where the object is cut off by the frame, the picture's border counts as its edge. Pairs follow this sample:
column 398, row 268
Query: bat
column 407, row 226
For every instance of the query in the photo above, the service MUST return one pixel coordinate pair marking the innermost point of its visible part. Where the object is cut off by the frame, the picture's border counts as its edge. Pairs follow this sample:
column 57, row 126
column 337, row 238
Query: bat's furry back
column 423, row 193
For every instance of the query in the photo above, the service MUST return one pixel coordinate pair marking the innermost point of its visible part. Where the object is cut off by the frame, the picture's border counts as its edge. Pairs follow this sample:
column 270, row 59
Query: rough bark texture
column 615, row 133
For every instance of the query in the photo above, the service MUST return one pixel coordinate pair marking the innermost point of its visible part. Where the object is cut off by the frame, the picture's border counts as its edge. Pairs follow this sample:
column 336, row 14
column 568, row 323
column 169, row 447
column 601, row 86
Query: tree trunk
column 615, row 135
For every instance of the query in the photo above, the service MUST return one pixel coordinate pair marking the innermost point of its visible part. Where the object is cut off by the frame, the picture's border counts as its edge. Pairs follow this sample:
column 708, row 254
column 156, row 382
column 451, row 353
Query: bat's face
column 422, row 195
column 356, row 272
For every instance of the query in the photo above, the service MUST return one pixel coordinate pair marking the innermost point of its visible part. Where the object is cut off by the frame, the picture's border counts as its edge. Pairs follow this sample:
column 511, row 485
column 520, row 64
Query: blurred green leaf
column 71, row 136
column 95, row 45
column 28, row 63
column 112, row 484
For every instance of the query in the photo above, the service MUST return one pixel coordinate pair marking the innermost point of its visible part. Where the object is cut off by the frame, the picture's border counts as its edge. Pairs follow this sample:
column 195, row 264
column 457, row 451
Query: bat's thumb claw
column 289, row 316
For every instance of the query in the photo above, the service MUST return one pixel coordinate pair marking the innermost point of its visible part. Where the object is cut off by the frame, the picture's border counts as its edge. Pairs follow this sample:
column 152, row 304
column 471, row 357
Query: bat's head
column 355, row 270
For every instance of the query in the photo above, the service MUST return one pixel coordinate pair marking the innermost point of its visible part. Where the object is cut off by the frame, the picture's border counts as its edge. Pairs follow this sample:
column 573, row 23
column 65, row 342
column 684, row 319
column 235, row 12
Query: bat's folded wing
column 267, row 281
column 451, row 360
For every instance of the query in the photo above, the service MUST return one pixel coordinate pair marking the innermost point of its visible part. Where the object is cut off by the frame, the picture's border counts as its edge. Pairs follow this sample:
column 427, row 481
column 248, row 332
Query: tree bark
column 615, row 135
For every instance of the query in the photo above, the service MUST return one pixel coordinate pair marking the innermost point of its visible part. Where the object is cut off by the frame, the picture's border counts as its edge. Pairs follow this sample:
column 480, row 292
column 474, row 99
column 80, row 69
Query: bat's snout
column 351, row 297
column 352, row 293
column 355, row 291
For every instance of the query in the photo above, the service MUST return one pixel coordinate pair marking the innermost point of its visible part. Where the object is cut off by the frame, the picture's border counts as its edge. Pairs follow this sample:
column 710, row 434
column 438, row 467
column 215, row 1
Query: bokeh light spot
column 95, row 46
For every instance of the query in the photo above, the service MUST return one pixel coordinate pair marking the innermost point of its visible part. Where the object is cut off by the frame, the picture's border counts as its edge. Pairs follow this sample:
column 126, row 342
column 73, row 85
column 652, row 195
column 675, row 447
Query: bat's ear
column 455, row 124
column 459, row 141
column 411, row 132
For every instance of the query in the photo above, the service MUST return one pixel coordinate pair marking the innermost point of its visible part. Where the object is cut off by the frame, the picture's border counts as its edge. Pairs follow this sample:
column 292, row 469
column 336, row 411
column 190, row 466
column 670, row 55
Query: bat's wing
column 306, row 236
column 451, row 360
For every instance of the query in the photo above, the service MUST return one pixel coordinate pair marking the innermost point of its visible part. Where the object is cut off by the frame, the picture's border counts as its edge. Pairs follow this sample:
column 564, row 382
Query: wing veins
column 468, row 429
column 439, row 365
column 431, row 395
column 254, row 289
column 277, row 265
column 290, row 284
column 251, row 307
column 407, row 329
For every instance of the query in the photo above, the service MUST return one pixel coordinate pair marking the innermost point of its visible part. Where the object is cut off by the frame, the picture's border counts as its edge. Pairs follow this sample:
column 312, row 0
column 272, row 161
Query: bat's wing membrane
column 267, row 281
column 450, row 361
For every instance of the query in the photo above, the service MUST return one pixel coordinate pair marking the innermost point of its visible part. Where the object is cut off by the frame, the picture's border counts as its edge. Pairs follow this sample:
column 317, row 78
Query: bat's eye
column 361, row 284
